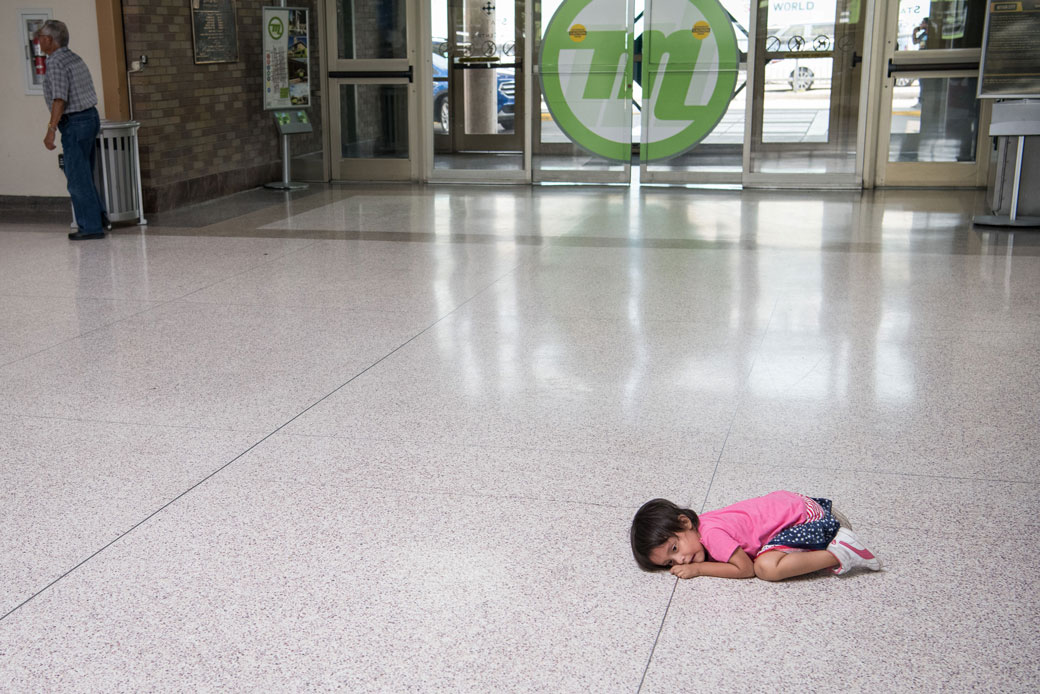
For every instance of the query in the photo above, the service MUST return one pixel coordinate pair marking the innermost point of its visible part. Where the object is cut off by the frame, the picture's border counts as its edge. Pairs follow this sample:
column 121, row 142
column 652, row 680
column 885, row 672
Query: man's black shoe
column 82, row 236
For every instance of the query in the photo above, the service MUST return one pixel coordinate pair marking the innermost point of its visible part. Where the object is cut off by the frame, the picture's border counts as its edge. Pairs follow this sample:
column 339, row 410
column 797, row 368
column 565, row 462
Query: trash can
column 1016, row 125
column 1003, row 180
column 118, row 171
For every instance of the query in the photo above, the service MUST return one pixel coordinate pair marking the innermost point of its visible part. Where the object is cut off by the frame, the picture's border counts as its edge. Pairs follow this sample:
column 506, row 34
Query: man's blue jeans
column 79, row 133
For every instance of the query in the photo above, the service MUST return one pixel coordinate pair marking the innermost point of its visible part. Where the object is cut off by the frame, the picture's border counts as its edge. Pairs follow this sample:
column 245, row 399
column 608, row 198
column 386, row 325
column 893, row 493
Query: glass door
column 932, row 128
column 477, row 89
column 690, row 76
column 371, row 94
column 660, row 82
column 581, row 128
column 807, row 91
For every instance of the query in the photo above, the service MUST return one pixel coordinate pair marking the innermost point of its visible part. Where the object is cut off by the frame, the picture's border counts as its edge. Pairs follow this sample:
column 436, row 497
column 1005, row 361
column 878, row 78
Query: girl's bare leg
column 777, row 565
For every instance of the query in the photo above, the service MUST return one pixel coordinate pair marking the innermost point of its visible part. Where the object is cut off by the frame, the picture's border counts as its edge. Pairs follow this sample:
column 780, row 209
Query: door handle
column 856, row 59
column 931, row 67
column 372, row 74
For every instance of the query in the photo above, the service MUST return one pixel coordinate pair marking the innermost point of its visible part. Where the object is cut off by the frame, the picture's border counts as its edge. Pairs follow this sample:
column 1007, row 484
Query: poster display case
column 287, row 81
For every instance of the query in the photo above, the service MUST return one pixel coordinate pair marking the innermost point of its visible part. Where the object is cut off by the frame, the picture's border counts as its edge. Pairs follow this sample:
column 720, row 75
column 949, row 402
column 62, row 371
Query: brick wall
column 204, row 132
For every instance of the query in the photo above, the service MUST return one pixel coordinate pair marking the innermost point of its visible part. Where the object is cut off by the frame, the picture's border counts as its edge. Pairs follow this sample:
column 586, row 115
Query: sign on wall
column 214, row 31
column 690, row 62
column 1010, row 53
column 287, row 80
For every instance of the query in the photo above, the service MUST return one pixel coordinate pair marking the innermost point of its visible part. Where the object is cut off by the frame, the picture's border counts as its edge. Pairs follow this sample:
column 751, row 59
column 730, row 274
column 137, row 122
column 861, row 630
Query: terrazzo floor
column 390, row 439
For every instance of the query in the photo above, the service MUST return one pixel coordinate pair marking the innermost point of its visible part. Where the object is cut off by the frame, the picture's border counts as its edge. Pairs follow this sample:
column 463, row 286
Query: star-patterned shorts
column 815, row 532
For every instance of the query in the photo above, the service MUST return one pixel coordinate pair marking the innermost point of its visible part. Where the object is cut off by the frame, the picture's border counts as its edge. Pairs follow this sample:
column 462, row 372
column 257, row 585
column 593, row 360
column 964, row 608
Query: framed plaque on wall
column 214, row 31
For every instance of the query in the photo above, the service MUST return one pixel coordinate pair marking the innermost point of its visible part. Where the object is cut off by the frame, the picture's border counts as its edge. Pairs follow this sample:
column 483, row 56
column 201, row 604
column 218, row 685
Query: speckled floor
column 390, row 438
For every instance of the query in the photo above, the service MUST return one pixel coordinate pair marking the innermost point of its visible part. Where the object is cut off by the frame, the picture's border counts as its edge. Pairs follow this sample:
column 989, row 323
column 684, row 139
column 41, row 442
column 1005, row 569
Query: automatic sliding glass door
column 478, row 90
column 690, row 78
column 582, row 127
column 806, row 128
column 666, row 81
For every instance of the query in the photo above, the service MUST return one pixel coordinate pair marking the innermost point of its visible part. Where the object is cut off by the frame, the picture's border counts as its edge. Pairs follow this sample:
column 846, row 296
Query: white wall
column 26, row 166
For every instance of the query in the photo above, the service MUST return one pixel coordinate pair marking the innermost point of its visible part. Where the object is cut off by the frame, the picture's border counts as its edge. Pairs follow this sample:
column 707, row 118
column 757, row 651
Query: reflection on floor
column 390, row 438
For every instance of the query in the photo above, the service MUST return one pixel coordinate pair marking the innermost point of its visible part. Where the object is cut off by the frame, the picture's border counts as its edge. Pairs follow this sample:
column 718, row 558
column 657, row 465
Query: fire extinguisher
column 39, row 60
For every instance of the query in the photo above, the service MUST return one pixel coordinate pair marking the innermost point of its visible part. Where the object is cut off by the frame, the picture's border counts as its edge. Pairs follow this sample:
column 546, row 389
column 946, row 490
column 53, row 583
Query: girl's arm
column 738, row 566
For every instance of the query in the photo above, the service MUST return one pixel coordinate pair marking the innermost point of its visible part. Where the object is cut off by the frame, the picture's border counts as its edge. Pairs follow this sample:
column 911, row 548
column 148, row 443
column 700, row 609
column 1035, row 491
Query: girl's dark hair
column 655, row 523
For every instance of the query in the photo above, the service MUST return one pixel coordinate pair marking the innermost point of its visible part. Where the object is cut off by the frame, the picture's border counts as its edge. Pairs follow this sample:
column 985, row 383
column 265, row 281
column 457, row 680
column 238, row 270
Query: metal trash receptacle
column 118, row 171
column 1002, row 185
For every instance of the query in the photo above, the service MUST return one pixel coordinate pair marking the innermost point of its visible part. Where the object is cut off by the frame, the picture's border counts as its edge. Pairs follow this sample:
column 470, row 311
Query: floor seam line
column 257, row 443
column 66, row 341
column 707, row 492
column 740, row 401
column 251, row 268
column 657, row 636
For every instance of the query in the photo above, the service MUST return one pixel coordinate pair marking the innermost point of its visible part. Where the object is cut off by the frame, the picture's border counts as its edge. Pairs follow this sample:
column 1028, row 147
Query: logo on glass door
column 690, row 61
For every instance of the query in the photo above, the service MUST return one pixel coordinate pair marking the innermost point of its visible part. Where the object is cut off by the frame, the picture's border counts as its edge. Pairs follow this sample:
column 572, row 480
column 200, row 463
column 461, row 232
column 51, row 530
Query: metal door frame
column 460, row 140
column 936, row 63
column 646, row 175
column 522, row 95
column 338, row 72
column 820, row 181
column 623, row 175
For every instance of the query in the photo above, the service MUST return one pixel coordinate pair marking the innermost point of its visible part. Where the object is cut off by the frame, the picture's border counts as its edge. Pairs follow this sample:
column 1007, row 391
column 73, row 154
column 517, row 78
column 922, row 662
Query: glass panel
column 589, row 109
column 371, row 29
column 374, row 121
column 505, row 88
column 796, row 33
column 797, row 100
column 440, row 87
column 940, row 24
column 485, row 35
column 490, row 100
column 808, row 87
column 934, row 119
column 476, row 84
column 721, row 150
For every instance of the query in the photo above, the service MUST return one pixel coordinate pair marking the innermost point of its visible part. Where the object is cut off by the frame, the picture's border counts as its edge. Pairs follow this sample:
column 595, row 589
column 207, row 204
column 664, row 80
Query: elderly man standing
column 71, row 99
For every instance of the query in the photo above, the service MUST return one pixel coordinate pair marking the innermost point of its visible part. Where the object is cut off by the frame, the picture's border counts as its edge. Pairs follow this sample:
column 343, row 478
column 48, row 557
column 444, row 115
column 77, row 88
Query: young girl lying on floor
column 774, row 537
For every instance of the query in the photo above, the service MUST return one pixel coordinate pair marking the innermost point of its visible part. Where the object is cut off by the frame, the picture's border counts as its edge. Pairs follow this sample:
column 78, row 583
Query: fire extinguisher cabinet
column 118, row 171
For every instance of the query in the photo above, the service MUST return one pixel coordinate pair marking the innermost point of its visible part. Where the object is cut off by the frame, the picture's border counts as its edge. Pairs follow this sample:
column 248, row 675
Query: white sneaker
column 851, row 553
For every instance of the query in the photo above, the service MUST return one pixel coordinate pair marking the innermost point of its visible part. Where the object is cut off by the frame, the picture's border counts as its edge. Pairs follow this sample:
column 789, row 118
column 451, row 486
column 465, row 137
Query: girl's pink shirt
column 749, row 524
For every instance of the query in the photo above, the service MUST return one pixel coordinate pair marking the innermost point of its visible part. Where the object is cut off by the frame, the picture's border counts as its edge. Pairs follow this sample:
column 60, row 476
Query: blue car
column 442, row 110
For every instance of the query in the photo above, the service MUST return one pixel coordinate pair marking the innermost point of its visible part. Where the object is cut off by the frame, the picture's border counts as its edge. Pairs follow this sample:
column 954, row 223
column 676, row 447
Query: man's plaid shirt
column 67, row 78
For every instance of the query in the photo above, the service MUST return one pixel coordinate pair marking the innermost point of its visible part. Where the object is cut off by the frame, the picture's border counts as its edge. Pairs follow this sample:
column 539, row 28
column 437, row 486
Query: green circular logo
column 275, row 28
column 690, row 61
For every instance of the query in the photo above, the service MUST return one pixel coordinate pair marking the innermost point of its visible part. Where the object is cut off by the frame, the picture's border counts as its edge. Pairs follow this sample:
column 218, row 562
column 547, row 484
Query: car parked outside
column 506, row 94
